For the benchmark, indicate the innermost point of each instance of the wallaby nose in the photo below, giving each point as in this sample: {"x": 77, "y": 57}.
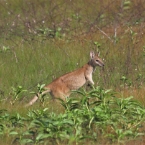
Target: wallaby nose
{"x": 102, "y": 65}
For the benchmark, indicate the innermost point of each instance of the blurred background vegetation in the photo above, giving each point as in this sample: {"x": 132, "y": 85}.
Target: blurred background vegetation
{"x": 41, "y": 40}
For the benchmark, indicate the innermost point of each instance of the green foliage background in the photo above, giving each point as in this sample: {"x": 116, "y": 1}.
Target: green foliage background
{"x": 41, "y": 40}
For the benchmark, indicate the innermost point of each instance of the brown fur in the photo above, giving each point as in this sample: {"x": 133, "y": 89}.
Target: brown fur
{"x": 62, "y": 86}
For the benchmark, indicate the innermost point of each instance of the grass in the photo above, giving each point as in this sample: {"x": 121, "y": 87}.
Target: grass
{"x": 42, "y": 40}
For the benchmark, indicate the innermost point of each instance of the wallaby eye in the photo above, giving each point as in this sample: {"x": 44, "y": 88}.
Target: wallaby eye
{"x": 97, "y": 60}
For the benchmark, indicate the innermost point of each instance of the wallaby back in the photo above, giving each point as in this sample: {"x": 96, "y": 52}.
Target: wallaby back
{"x": 62, "y": 86}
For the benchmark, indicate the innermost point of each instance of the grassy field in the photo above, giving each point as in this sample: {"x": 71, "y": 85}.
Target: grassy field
{"x": 42, "y": 40}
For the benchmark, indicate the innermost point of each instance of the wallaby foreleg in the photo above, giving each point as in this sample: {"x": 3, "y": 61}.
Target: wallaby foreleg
{"x": 90, "y": 80}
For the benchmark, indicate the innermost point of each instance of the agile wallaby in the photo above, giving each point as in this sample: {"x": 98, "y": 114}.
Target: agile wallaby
{"x": 62, "y": 86}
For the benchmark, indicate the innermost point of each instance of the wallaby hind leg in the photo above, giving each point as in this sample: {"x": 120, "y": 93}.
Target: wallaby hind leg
{"x": 59, "y": 95}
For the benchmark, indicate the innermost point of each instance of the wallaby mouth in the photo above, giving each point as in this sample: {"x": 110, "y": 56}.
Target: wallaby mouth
{"x": 101, "y": 64}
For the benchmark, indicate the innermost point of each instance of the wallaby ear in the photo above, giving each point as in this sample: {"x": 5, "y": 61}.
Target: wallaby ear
{"x": 92, "y": 54}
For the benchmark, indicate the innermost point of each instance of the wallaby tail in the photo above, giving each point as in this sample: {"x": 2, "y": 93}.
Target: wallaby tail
{"x": 35, "y": 98}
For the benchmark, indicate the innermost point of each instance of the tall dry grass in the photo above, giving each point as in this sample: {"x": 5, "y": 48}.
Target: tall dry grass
{"x": 42, "y": 40}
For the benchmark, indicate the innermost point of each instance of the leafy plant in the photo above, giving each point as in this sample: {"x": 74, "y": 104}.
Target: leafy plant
{"x": 16, "y": 94}
{"x": 4, "y": 49}
{"x": 40, "y": 89}
{"x": 95, "y": 113}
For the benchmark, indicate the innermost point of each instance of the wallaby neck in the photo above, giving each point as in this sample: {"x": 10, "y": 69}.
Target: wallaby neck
{"x": 91, "y": 64}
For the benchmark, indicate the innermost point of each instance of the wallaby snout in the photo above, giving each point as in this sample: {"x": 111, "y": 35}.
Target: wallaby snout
{"x": 100, "y": 63}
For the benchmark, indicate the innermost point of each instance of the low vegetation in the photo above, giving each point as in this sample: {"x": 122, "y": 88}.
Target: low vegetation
{"x": 96, "y": 117}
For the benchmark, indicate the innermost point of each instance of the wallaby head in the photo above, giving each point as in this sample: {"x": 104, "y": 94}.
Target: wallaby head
{"x": 95, "y": 60}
